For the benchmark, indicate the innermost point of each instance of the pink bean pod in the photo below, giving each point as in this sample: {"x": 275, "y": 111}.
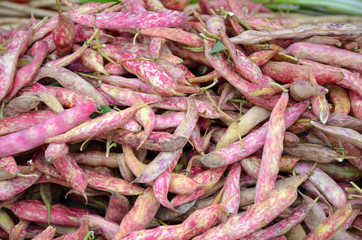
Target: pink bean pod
{"x": 325, "y": 54}
{"x": 177, "y": 72}
{"x": 174, "y": 34}
{"x": 96, "y": 126}
{"x": 248, "y": 121}
{"x": 91, "y": 59}
{"x": 99, "y": 225}
{"x": 196, "y": 223}
{"x": 344, "y": 172}
{"x": 8, "y": 168}
{"x": 180, "y": 184}
{"x": 207, "y": 178}
{"x": 24, "y": 103}
{"x": 205, "y": 109}
{"x": 339, "y": 97}
{"x": 70, "y": 80}
{"x": 111, "y": 184}
{"x": 131, "y": 83}
{"x": 55, "y": 151}
{"x": 182, "y": 53}
{"x": 246, "y": 68}
{"x": 95, "y": 158}
{"x": 83, "y": 33}
{"x": 10, "y": 188}
{"x": 346, "y": 134}
{"x": 157, "y": 141}
{"x": 232, "y": 188}
{"x": 68, "y": 59}
{"x": 219, "y": 62}
{"x": 251, "y": 165}
{"x": 155, "y": 5}
{"x": 24, "y": 75}
{"x": 36, "y": 135}
{"x": 15, "y": 47}
{"x": 261, "y": 57}
{"x": 153, "y": 74}
{"x": 141, "y": 214}
{"x": 247, "y": 195}
{"x": 283, "y": 226}
{"x": 164, "y": 159}
{"x": 118, "y": 207}
{"x": 273, "y": 149}
{"x": 259, "y": 215}
{"x": 114, "y": 69}
{"x": 134, "y": 6}
{"x": 196, "y": 139}
{"x": 330, "y": 225}
{"x": 252, "y": 142}
{"x": 80, "y": 233}
{"x": 324, "y": 183}
{"x": 350, "y": 79}
{"x": 144, "y": 115}
{"x": 63, "y": 33}
{"x": 47, "y": 234}
{"x": 72, "y": 173}
{"x": 156, "y": 45}
{"x": 169, "y": 120}
{"x": 301, "y": 90}
{"x": 289, "y": 72}
{"x": 356, "y": 104}
{"x": 343, "y": 120}
{"x": 87, "y": 8}
{"x": 129, "y": 20}
{"x": 69, "y": 98}
{"x": 23, "y": 121}
{"x": 313, "y": 152}
{"x": 175, "y": 5}
{"x": 303, "y": 31}
{"x": 36, "y": 211}
{"x": 46, "y": 96}
{"x": 161, "y": 186}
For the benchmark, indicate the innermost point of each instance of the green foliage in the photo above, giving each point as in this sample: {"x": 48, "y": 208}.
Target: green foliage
{"x": 218, "y": 47}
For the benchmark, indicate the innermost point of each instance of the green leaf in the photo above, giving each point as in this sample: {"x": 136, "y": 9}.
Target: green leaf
{"x": 229, "y": 60}
{"x": 104, "y": 109}
{"x": 218, "y": 47}
{"x": 89, "y": 236}
{"x": 55, "y": 84}
{"x": 45, "y": 193}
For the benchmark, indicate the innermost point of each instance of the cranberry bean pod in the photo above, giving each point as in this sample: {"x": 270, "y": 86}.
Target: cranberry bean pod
{"x": 129, "y": 20}
{"x": 36, "y": 135}
{"x": 330, "y": 225}
{"x": 35, "y": 211}
{"x": 94, "y": 127}
{"x": 141, "y": 214}
{"x": 24, "y": 75}
{"x": 252, "y": 142}
{"x": 347, "y": 134}
{"x": 163, "y": 160}
{"x": 324, "y": 183}
{"x": 15, "y": 48}
{"x": 47, "y": 234}
{"x": 283, "y": 226}
{"x": 259, "y": 215}
{"x": 270, "y": 161}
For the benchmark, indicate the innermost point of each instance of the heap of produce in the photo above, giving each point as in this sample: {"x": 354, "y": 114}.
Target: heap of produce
{"x": 151, "y": 119}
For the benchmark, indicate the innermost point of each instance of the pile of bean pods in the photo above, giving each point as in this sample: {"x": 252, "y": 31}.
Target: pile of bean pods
{"x": 145, "y": 120}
